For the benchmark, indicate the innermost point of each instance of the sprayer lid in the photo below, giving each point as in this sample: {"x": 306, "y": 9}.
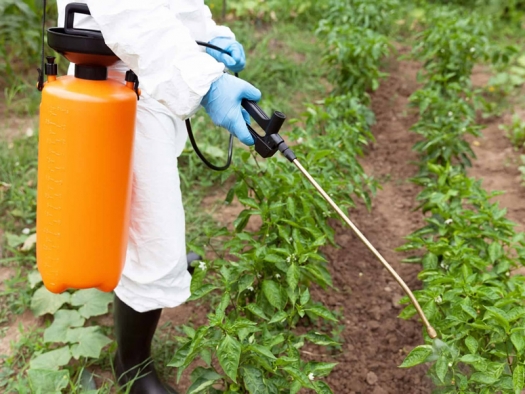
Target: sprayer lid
{"x": 80, "y": 46}
{"x": 81, "y": 49}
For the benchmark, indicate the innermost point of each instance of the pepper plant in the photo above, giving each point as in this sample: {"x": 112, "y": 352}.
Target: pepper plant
{"x": 467, "y": 248}
{"x": 469, "y": 251}
{"x": 265, "y": 275}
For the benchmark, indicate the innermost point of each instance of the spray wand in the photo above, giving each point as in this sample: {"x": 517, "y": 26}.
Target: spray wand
{"x": 267, "y": 145}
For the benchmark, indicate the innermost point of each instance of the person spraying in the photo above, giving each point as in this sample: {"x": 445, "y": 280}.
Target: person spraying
{"x": 156, "y": 39}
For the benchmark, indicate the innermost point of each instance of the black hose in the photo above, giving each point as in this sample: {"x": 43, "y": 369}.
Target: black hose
{"x": 201, "y": 156}
{"x": 192, "y": 137}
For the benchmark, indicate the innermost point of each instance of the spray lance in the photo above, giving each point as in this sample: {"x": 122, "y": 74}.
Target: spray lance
{"x": 268, "y": 145}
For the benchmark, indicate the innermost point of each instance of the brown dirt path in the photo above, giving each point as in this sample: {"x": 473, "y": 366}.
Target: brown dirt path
{"x": 376, "y": 341}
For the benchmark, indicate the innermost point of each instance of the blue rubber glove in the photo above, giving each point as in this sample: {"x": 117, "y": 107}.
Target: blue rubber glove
{"x": 223, "y": 105}
{"x": 235, "y": 59}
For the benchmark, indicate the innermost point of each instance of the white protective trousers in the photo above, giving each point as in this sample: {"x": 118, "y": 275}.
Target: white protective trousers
{"x": 156, "y": 39}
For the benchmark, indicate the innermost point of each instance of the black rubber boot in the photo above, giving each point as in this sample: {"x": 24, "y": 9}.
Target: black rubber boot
{"x": 133, "y": 364}
{"x": 191, "y": 257}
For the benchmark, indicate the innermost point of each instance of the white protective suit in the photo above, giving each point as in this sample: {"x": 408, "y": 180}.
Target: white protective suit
{"x": 156, "y": 39}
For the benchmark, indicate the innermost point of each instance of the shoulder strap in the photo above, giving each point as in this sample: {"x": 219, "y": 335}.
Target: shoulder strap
{"x": 41, "y": 69}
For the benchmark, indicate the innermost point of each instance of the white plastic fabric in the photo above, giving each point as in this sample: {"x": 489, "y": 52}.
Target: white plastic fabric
{"x": 156, "y": 39}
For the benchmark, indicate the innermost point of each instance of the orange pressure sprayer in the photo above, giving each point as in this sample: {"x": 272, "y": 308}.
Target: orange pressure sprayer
{"x": 87, "y": 124}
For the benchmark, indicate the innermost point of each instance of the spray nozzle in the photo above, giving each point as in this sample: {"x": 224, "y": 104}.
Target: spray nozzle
{"x": 271, "y": 142}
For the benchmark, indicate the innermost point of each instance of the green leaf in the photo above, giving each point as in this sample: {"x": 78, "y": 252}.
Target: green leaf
{"x": 498, "y": 315}
{"x": 93, "y": 302}
{"x": 262, "y": 351}
{"x": 295, "y": 387}
{"x": 201, "y": 292}
{"x": 221, "y": 308}
{"x": 62, "y": 321}
{"x": 292, "y": 276}
{"x": 274, "y": 341}
{"x": 14, "y": 240}
{"x": 180, "y": 355}
{"x": 246, "y": 281}
{"x": 272, "y": 292}
{"x": 469, "y": 310}
{"x": 87, "y": 341}
{"x": 322, "y": 388}
{"x": 45, "y": 381}
{"x": 484, "y": 378}
{"x": 518, "y": 379}
{"x": 189, "y": 331}
{"x": 441, "y": 368}
{"x": 52, "y": 360}
{"x": 242, "y": 220}
{"x": 196, "y": 345}
{"x": 278, "y": 317}
{"x": 253, "y": 380}
{"x": 518, "y": 341}
{"x": 200, "y": 372}
{"x": 495, "y": 251}
{"x": 290, "y": 205}
{"x": 305, "y": 297}
{"x": 229, "y": 354}
{"x": 206, "y": 356}
{"x": 248, "y": 202}
{"x": 197, "y": 279}
{"x": 472, "y": 344}
{"x": 322, "y": 312}
{"x": 44, "y": 301}
{"x": 417, "y": 356}
{"x": 253, "y": 308}
{"x": 202, "y": 379}
{"x": 321, "y": 274}
{"x": 299, "y": 376}
{"x": 320, "y": 339}
{"x": 34, "y": 278}
{"x": 273, "y": 258}
{"x": 319, "y": 369}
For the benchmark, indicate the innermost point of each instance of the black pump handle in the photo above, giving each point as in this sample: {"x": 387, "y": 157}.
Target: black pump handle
{"x": 269, "y": 125}
{"x": 256, "y": 113}
{"x": 78, "y": 8}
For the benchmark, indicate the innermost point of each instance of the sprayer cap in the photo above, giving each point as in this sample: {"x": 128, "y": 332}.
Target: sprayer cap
{"x": 51, "y": 68}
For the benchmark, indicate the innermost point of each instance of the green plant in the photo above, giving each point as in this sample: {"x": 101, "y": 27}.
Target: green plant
{"x": 522, "y": 169}
{"x": 369, "y": 14}
{"x": 451, "y": 47}
{"x": 469, "y": 250}
{"x": 516, "y": 132}
{"x": 355, "y": 53}
{"x": 444, "y": 123}
{"x": 263, "y": 275}
{"x": 18, "y": 183}
{"x": 355, "y": 44}
{"x": 269, "y": 10}
{"x": 78, "y": 340}
{"x": 20, "y": 35}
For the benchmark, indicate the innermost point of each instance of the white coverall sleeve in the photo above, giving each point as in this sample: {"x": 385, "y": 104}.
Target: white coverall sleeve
{"x": 151, "y": 39}
{"x": 197, "y": 17}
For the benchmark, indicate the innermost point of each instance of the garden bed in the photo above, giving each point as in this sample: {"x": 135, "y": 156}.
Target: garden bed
{"x": 375, "y": 340}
